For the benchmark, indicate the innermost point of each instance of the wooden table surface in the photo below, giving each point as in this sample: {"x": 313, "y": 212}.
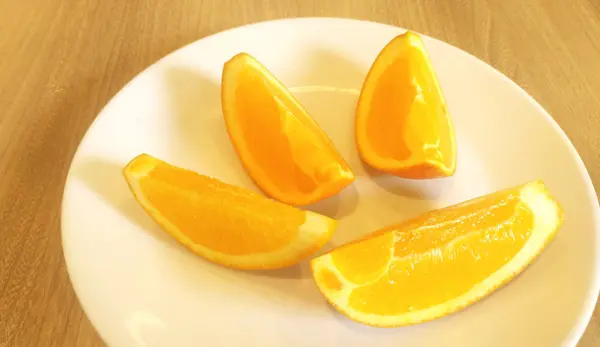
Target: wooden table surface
{"x": 62, "y": 60}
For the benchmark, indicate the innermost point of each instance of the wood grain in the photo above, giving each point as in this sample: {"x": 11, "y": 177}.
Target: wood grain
{"x": 61, "y": 61}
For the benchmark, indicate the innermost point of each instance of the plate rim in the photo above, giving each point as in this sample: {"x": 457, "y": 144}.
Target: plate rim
{"x": 579, "y": 326}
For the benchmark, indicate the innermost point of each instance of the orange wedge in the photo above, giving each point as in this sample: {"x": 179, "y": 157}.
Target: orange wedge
{"x": 402, "y": 122}
{"x": 282, "y": 148}
{"x": 225, "y": 224}
{"x": 440, "y": 262}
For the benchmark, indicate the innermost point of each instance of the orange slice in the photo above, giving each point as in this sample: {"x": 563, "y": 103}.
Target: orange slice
{"x": 225, "y": 224}
{"x": 402, "y": 122}
{"x": 282, "y": 148}
{"x": 440, "y": 262}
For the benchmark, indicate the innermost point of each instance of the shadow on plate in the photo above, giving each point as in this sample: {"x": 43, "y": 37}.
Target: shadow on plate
{"x": 431, "y": 189}
{"x": 360, "y": 328}
{"x": 291, "y": 287}
{"x": 194, "y": 101}
{"x": 338, "y": 206}
{"x": 106, "y": 179}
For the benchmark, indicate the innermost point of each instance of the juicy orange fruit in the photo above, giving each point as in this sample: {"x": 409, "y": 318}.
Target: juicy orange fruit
{"x": 225, "y": 224}
{"x": 402, "y": 122}
{"x": 440, "y": 262}
{"x": 282, "y": 148}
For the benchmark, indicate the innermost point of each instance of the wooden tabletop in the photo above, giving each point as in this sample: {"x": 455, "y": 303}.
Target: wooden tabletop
{"x": 62, "y": 60}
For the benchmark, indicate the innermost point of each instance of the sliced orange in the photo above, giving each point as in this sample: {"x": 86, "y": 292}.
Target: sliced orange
{"x": 440, "y": 262}
{"x": 402, "y": 122}
{"x": 282, "y": 148}
{"x": 225, "y": 224}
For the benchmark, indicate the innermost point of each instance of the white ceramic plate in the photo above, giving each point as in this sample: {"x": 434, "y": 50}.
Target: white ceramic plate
{"x": 140, "y": 288}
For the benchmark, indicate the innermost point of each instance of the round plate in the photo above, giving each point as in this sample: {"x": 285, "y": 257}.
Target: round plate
{"x": 141, "y": 288}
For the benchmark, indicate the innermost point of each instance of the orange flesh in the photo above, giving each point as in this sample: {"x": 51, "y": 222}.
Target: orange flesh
{"x": 393, "y": 95}
{"x": 282, "y": 148}
{"x": 366, "y": 263}
{"x": 330, "y": 280}
{"x": 437, "y": 257}
{"x": 220, "y": 216}
{"x": 403, "y": 126}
